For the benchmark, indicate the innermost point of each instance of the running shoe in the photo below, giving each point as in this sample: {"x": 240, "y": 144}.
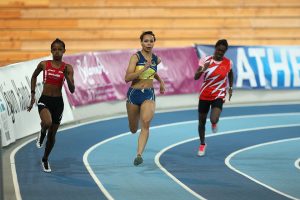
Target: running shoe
{"x": 138, "y": 160}
{"x": 214, "y": 128}
{"x": 40, "y": 139}
{"x": 202, "y": 148}
{"x": 46, "y": 166}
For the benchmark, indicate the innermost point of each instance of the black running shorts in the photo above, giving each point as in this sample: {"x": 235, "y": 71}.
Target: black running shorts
{"x": 204, "y": 105}
{"x": 55, "y": 105}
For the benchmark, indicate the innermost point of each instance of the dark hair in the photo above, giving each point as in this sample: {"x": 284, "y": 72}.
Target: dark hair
{"x": 147, "y": 33}
{"x": 222, "y": 42}
{"x": 58, "y": 41}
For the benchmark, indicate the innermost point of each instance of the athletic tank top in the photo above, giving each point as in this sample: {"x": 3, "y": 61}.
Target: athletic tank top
{"x": 215, "y": 78}
{"x": 151, "y": 71}
{"x": 54, "y": 76}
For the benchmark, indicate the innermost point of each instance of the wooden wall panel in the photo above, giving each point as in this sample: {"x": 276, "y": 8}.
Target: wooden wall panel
{"x": 24, "y": 3}
{"x": 27, "y": 27}
{"x": 143, "y": 24}
{"x": 162, "y": 13}
{"x": 171, "y": 3}
{"x": 128, "y": 34}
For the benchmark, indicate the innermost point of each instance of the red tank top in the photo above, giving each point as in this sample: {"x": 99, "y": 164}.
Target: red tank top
{"x": 54, "y": 76}
{"x": 215, "y": 79}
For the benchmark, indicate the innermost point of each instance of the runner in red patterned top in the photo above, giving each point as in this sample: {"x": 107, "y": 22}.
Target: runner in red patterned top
{"x": 50, "y": 104}
{"x": 217, "y": 71}
{"x": 215, "y": 78}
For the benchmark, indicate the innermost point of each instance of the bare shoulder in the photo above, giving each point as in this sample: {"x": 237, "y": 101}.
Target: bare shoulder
{"x": 42, "y": 64}
{"x": 133, "y": 60}
{"x": 134, "y": 57}
{"x": 69, "y": 67}
{"x": 158, "y": 60}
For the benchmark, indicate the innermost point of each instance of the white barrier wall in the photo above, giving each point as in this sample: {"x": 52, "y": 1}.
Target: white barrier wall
{"x": 15, "y": 94}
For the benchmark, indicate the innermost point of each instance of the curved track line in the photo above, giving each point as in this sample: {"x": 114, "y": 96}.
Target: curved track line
{"x": 170, "y": 175}
{"x": 228, "y": 158}
{"x": 186, "y": 122}
{"x": 12, "y": 155}
{"x": 88, "y": 167}
{"x": 157, "y": 157}
{"x": 297, "y": 163}
{"x": 13, "y": 169}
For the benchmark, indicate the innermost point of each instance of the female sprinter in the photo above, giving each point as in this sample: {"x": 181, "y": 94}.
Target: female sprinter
{"x": 50, "y": 104}
{"x": 141, "y": 71}
{"x": 217, "y": 70}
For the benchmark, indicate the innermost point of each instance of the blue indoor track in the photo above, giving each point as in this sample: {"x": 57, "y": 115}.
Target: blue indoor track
{"x": 254, "y": 155}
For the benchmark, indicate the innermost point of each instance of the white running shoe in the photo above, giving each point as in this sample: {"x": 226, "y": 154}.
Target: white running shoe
{"x": 46, "y": 166}
{"x": 214, "y": 128}
{"x": 40, "y": 139}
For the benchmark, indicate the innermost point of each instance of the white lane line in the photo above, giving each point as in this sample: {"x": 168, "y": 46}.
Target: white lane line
{"x": 157, "y": 157}
{"x": 13, "y": 153}
{"x": 228, "y": 158}
{"x": 101, "y": 186}
{"x": 89, "y": 168}
{"x": 14, "y": 171}
{"x": 297, "y": 163}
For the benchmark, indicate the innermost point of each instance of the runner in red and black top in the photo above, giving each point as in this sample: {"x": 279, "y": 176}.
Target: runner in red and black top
{"x": 50, "y": 104}
{"x": 217, "y": 71}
